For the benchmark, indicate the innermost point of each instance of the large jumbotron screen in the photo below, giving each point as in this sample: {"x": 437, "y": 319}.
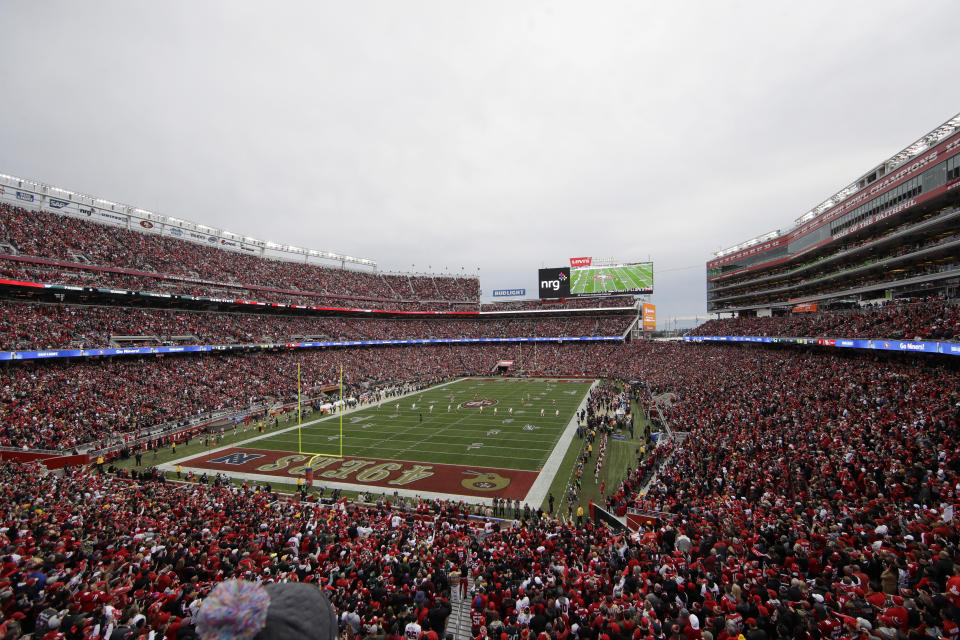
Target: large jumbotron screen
{"x": 596, "y": 280}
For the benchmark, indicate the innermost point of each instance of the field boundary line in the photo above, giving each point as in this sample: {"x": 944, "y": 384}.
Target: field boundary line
{"x": 541, "y": 486}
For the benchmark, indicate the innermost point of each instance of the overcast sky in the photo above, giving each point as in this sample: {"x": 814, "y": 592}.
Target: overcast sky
{"x": 499, "y": 135}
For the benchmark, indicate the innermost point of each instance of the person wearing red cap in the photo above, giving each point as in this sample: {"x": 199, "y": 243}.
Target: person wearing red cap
{"x": 897, "y": 617}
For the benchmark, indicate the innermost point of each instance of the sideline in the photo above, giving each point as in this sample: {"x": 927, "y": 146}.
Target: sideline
{"x": 541, "y": 486}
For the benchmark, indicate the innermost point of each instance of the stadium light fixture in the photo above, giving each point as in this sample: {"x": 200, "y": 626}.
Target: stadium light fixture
{"x": 915, "y": 148}
{"x": 40, "y": 187}
{"x": 743, "y": 245}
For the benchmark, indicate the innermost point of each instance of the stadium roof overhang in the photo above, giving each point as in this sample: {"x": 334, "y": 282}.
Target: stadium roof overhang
{"x": 925, "y": 142}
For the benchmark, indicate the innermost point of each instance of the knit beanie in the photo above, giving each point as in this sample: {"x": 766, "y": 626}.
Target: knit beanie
{"x": 251, "y": 611}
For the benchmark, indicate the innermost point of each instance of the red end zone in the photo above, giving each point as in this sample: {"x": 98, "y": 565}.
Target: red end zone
{"x": 387, "y": 475}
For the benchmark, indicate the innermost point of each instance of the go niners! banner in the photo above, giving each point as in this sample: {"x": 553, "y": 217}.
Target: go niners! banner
{"x": 581, "y": 262}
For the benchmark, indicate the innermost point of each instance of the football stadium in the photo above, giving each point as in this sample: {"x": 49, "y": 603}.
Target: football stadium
{"x": 302, "y": 428}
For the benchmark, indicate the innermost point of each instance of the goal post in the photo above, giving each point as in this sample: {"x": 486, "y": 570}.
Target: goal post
{"x": 300, "y": 428}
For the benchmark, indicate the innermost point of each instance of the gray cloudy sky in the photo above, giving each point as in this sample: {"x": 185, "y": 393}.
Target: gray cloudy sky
{"x": 504, "y": 135}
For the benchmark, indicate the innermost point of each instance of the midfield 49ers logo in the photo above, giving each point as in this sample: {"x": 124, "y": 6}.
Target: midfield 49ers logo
{"x": 478, "y": 403}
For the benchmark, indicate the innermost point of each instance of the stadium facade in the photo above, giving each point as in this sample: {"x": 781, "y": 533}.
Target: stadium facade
{"x": 891, "y": 233}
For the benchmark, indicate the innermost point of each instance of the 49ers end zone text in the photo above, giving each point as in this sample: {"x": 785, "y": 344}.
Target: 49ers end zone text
{"x": 383, "y": 474}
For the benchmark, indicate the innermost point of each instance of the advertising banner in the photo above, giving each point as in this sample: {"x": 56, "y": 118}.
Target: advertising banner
{"x": 581, "y": 262}
{"x": 554, "y": 283}
{"x": 806, "y": 307}
{"x": 142, "y": 351}
{"x": 946, "y": 348}
{"x": 649, "y": 317}
{"x": 509, "y": 293}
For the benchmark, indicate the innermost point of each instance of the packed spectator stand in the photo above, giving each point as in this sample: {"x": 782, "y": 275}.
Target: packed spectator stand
{"x": 908, "y": 319}
{"x": 49, "y": 326}
{"x": 810, "y": 499}
{"x": 812, "y": 496}
{"x": 77, "y": 251}
{"x": 126, "y": 395}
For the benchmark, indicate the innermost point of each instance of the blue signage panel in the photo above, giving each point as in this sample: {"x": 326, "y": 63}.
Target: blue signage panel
{"x": 135, "y": 351}
{"x": 909, "y": 346}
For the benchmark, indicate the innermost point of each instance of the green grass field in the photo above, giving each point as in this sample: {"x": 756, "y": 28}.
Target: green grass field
{"x": 515, "y": 447}
{"x": 625, "y": 278}
{"x": 466, "y": 436}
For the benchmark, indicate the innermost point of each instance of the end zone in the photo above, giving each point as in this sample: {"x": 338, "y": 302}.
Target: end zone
{"x": 364, "y": 474}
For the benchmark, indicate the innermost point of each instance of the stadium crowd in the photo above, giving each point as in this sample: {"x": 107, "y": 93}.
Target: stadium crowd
{"x": 906, "y": 319}
{"x": 102, "y": 278}
{"x": 109, "y": 398}
{"x": 49, "y": 326}
{"x": 803, "y": 494}
{"x": 812, "y": 491}
{"x": 883, "y": 276}
{"x": 89, "y": 556}
{"x": 96, "y": 278}
{"x": 811, "y": 498}
{"x": 88, "y": 245}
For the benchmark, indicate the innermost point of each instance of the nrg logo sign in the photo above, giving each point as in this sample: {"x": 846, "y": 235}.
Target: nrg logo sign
{"x": 555, "y": 283}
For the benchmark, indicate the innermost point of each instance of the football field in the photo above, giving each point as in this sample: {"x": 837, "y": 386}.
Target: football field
{"x": 473, "y": 437}
{"x": 625, "y": 278}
